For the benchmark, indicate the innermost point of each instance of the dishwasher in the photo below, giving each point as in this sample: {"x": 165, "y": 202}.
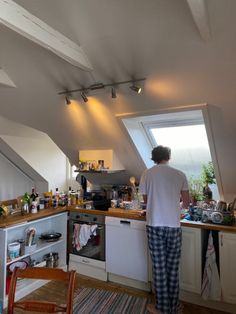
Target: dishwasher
{"x": 126, "y": 248}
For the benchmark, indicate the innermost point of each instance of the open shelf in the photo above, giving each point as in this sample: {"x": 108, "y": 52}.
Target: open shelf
{"x": 40, "y": 247}
{"x": 108, "y": 171}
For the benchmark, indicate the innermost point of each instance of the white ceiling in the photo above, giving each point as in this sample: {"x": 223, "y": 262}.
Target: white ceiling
{"x": 123, "y": 39}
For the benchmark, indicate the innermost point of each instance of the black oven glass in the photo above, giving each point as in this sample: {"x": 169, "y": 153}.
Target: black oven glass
{"x": 95, "y": 245}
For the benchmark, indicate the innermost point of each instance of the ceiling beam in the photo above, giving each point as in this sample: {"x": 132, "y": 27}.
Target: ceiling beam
{"x": 199, "y": 12}
{"x": 24, "y": 23}
{"x": 5, "y": 80}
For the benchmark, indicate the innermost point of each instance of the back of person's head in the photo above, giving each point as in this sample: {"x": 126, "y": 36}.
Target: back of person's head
{"x": 160, "y": 153}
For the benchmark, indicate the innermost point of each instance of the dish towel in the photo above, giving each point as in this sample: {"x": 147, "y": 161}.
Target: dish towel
{"x": 211, "y": 288}
{"x": 75, "y": 239}
{"x": 82, "y": 233}
{"x": 86, "y": 231}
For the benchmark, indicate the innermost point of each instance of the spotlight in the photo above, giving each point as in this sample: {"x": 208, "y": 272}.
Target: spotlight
{"x": 68, "y": 102}
{"x": 113, "y": 92}
{"x": 85, "y": 99}
{"x": 136, "y": 88}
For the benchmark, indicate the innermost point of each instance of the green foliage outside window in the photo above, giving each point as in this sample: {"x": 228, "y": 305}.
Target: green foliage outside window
{"x": 197, "y": 185}
{"x": 208, "y": 174}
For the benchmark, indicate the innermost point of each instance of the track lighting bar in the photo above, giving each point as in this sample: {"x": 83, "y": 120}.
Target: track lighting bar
{"x": 101, "y": 85}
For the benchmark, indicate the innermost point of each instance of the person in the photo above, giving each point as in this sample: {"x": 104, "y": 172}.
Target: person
{"x": 162, "y": 187}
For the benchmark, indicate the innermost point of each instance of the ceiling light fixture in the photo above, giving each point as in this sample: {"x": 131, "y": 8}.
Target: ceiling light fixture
{"x": 96, "y": 86}
{"x": 136, "y": 88}
{"x": 113, "y": 92}
{"x": 68, "y": 102}
{"x": 85, "y": 99}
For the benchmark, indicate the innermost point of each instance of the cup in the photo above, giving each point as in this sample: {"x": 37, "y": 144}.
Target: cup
{"x": 113, "y": 203}
{"x": 13, "y": 250}
{"x": 34, "y": 207}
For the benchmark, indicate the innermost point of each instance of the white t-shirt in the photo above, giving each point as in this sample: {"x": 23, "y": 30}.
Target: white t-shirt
{"x": 163, "y": 184}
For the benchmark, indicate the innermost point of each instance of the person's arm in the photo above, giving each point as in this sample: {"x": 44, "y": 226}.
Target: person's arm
{"x": 185, "y": 198}
{"x": 143, "y": 212}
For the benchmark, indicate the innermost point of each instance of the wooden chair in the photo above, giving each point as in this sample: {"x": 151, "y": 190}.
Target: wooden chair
{"x": 42, "y": 306}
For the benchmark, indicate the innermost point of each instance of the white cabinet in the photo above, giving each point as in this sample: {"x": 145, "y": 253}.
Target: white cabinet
{"x": 57, "y": 223}
{"x": 191, "y": 260}
{"x": 227, "y": 242}
{"x": 126, "y": 248}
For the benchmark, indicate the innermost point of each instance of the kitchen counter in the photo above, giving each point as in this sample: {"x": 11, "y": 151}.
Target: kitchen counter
{"x": 135, "y": 214}
{"x": 201, "y": 225}
{"x": 114, "y": 212}
{"x": 19, "y": 219}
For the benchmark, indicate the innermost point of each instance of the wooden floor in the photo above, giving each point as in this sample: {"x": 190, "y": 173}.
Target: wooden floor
{"x": 55, "y": 292}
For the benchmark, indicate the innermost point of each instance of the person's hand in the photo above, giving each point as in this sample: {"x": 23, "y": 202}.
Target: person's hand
{"x": 142, "y": 213}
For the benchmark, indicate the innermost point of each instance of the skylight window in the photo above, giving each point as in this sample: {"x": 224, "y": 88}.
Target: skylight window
{"x": 189, "y": 146}
{"x": 185, "y": 132}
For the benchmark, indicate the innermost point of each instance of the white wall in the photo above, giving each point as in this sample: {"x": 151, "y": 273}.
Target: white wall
{"x": 44, "y": 156}
{"x": 13, "y": 182}
{"x": 39, "y": 151}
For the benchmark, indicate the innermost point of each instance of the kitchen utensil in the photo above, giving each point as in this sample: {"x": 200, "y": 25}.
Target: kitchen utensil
{"x": 132, "y": 180}
{"x": 231, "y": 205}
{"x": 50, "y": 236}
{"x": 52, "y": 259}
{"x": 221, "y": 206}
{"x": 30, "y": 236}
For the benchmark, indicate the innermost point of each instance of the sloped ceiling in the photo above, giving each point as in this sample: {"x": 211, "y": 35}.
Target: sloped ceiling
{"x": 156, "y": 39}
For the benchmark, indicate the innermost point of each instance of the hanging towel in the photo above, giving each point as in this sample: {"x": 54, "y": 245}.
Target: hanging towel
{"x": 75, "y": 239}
{"x": 86, "y": 231}
{"x": 211, "y": 288}
{"x": 82, "y": 233}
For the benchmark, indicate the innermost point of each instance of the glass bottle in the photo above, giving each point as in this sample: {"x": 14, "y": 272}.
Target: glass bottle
{"x": 33, "y": 195}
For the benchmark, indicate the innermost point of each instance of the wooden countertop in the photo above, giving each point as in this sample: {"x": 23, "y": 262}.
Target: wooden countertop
{"x": 134, "y": 214}
{"x": 209, "y": 226}
{"x": 19, "y": 219}
{"x": 114, "y": 212}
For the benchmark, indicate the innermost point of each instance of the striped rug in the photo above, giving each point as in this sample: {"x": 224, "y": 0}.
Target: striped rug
{"x": 94, "y": 301}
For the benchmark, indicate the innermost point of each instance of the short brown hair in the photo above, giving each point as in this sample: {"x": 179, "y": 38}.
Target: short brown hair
{"x": 160, "y": 153}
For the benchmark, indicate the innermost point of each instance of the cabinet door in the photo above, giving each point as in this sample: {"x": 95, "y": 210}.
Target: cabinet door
{"x": 227, "y": 243}
{"x": 191, "y": 260}
{"x": 126, "y": 248}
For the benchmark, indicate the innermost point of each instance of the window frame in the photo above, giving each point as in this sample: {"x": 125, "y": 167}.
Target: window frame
{"x": 136, "y": 125}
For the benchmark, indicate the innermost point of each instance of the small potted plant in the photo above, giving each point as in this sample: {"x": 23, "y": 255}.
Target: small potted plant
{"x": 208, "y": 177}
{"x": 195, "y": 190}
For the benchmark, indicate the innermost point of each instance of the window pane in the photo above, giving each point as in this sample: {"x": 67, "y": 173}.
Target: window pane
{"x": 189, "y": 148}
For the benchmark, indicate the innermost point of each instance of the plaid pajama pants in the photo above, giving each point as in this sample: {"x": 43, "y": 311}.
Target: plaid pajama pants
{"x": 165, "y": 249}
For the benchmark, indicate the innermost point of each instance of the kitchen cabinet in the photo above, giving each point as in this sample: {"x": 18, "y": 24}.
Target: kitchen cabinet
{"x": 191, "y": 260}
{"x": 126, "y": 248}
{"x": 57, "y": 223}
{"x": 227, "y": 243}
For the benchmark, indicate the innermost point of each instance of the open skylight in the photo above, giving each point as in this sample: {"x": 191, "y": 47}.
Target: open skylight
{"x": 185, "y": 132}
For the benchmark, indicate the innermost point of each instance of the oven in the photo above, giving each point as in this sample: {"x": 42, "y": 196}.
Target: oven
{"x": 87, "y": 235}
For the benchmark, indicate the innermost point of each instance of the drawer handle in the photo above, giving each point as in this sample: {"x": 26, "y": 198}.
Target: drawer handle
{"x": 125, "y": 222}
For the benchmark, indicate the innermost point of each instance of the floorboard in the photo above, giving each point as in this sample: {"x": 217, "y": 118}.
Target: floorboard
{"x": 56, "y": 292}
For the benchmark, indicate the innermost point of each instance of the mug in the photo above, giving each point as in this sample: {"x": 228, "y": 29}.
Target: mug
{"x": 113, "y": 203}
{"x": 34, "y": 207}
